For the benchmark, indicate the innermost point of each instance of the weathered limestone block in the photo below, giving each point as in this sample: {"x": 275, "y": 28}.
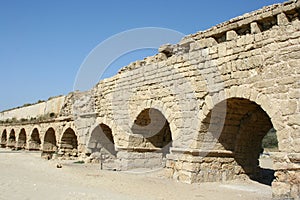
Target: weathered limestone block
{"x": 231, "y": 35}
{"x": 133, "y": 160}
{"x": 296, "y": 144}
{"x": 282, "y": 19}
{"x": 203, "y": 43}
{"x": 254, "y": 28}
{"x": 287, "y": 173}
{"x": 222, "y": 50}
{"x": 281, "y": 190}
{"x": 166, "y": 49}
{"x": 288, "y": 107}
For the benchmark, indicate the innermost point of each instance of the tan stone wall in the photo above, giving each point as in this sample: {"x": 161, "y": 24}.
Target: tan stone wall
{"x": 40, "y": 109}
{"x": 220, "y": 91}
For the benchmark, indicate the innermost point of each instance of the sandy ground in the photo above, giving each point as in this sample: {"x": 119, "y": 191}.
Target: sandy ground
{"x": 24, "y": 175}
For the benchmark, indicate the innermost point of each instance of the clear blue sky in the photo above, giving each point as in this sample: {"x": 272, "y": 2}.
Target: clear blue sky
{"x": 43, "y": 43}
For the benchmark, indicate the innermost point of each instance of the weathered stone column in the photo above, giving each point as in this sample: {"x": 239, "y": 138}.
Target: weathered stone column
{"x": 83, "y": 124}
{"x": 191, "y": 165}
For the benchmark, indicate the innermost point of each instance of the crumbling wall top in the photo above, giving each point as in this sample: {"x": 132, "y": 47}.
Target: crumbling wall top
{"x": 263, "y": 13}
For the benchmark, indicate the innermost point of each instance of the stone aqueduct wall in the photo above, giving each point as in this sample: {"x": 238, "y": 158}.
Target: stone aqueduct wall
{"x": 200, "y": 108}
{"x": 53, "y": 105}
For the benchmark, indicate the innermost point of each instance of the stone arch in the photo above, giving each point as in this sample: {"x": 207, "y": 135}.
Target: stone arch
{"x": 3, "y": 138}
{"x": 270, "y": 106}
{"x": 49, "y": 143}
{"x": 239, "y": 138}
{"x": 22, "y": 139}
{"x": 166, "y": 112}
{"x": 68, "y": 142}
{"x": 35, "y": 141}
{"x": 11, "y": 139}
{"x": 102, "y": 140}
{"x": 151, "y": 130}
{"x": 246, "y": 92}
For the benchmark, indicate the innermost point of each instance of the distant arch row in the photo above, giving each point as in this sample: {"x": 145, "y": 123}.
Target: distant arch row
{"x": 101, "y": 140}
{"x": 34, "y": 140}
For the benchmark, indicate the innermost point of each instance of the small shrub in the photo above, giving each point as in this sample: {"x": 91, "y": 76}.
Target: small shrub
{"x": 79, "y": 162}
{"x": 270, "y": 140}
{"x": 23, "y": 120}
{"x": 52, "y": 115}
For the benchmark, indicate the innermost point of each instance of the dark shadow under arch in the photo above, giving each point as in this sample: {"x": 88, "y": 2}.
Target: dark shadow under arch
{"x": 102, "y": 140}
{"x": 245, "y": 126}
{"x": 22, "y": 139}
{"x": 3, "y": 138}
{"x": 35, "y": 141}
{"x": 49, "y": 145}
{"x": 154, "y": 128}
{"x": 12, "y": 139}
{"x": 69, "y": 142}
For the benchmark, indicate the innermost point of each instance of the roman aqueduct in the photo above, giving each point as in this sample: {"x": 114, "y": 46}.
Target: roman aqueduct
{"x": 199, "y": 108}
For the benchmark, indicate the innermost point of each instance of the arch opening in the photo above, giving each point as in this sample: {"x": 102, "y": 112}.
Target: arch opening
{"x": 35, "y": 141}
{"x": 69, "y": 143}
{"x": 49, "y": 145}
{"x": 22, "y": 139}
{"x": 12, "y": 139}
{"x": 238, "y": 145}
{"x": 151, "y": 131}
{"x": 3, "y": 139}
{"x": 269, "y": 145}
{"x": 102, "y": 141}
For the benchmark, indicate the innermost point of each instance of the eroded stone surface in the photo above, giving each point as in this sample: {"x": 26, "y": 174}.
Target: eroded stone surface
{"x": 214, "y": 96}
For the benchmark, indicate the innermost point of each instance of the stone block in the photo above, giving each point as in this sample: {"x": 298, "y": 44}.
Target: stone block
{"x": 168, "y": 173}
{"x": 282, "y": 19}
{"x": 281, "y": 176}
{"x": 295, "y": 191}
{"x": 254, "y": 28}
{"x": 178, "y": 165}
{"x": 288, "y": 107}
{"x": 191, "y": 167}
{"x": 222, "y": 50}
{"x": 294, "y": 93}
{"x": 281, "y": 189}
{"x": 294, "y": 119}
{"x": 231, "y": 35}
{"x": 186, "y": 177}
{"x": 296, "y": 144}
